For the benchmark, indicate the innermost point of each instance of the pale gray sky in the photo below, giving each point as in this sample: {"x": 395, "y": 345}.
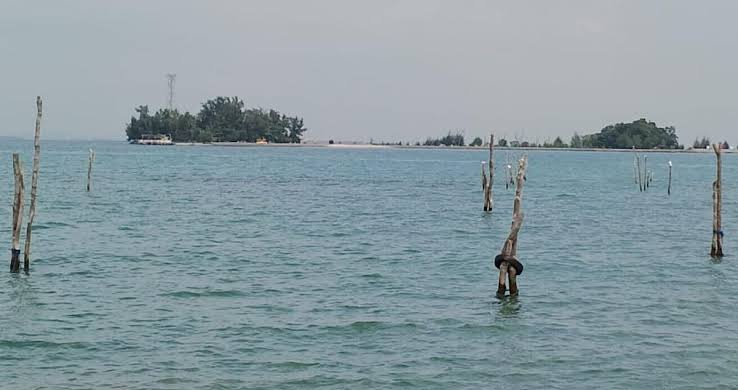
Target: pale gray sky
{"x": 388, "y": 69}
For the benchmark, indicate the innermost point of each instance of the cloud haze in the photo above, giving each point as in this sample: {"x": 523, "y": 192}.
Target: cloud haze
{"x": 388, "y": 70}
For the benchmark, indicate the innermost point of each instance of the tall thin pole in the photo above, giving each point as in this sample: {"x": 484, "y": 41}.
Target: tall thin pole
{"x": 17, "y": 213}
{"x": 34, "y": 185}
{"x": 717, "y": 199}
{"x": 91, "y": 159}
{"x": 668, "y": 191}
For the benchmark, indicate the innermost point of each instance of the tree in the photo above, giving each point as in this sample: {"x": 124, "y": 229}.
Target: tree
{"x": 641, "y": 133}
{"x": 576, "y": 141}
{"x": 701, "y": 144}
{"x": 725, "y": 145}
{"x": 477, "y": 142}
{"x": 558, "y": 143}
{"x": 220, "y": 119}
{"x": 502, "y": 142}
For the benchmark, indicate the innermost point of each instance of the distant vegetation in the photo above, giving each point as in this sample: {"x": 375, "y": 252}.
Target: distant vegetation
{"x": 448, "y": 140}
{"x": 223, "y": 119}
{"x": 641, "y": 133}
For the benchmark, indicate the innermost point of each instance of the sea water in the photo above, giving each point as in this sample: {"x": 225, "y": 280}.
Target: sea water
{"x": 206, "y": 267}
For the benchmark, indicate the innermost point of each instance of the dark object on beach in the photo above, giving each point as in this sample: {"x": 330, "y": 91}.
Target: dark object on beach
{"x": 330, "y": 142}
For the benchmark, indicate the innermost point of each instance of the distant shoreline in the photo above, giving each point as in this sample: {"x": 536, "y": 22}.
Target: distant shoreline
{"x": 423, "y": 147}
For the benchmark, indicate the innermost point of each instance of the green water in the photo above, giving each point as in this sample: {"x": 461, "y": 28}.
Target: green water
{"x": 324, "y": 268}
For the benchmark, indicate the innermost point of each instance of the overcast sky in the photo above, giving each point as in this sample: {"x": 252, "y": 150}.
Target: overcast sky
{"x": 389, "y": 70}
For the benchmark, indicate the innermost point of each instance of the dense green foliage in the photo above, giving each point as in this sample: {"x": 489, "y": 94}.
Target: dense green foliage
{"x": 449, "y": 140}
{"x": 223, "y": 119}
{"x": 477, "y": 142}
{"x": 641, "y": 133}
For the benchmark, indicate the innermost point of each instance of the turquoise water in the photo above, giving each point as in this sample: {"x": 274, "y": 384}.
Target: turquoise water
{"x": 323, "y": 268}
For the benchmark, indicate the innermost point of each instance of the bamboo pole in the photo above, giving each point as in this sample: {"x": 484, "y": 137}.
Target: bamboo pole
{"x": 17, "y": 213}
{"x": 668, "y": 191}
{"x": 507, "y": 261}
{"x": 488, "y": 201}
{"x": 34, "y": 185}
{"x": 716, "y": 249}
{"x": 89, "y": 170}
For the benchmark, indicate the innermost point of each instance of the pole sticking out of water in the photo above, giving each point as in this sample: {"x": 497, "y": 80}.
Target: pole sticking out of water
{"x": 635, "y": 169}
{"x": 34, "y": 185}
{"x": 645, "y": 173}
{"x": 506, "y": 261}
{"x": 638, "y": 165}
{"x": 488, "y": 201}
{"x": 668, "y": 191}
{"x": 91, "y": 159}
{"x": 716, "y": 251}
{"x": 17, "y": 213}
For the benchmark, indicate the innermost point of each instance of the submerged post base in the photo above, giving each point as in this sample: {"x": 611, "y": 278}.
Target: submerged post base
{"x": 15, "y": 260}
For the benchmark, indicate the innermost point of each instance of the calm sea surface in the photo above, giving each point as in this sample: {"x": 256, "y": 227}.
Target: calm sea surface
{"x": 325, "y": 268}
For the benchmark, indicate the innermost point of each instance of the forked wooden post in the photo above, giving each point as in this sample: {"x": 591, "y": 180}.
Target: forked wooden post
{"x": 507, "y": 261}
{"x": 488, "y": 201}
{"x": 34, "y": 185}
{"x": 717, "y": 201}
{"x": 89, "y": 170}
{"x": 668, "y": 191}
{"x": 17, "y": 213}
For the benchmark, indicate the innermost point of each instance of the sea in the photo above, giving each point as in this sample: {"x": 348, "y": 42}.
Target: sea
{"x": 211, "y": 267}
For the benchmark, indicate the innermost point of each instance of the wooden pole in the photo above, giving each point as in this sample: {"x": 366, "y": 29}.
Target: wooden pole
{"x": 645, "y": 173}
{"x": 717, "y": 199}
{"x": 638, "y": 163}
{"x": 668, "y": 191}
{"x": 34, "y": 185}
{"x": 484, "y": 175}
{"x": 89, "y": 170}
{"x": 507, "y": 260}
{"x": 488, "y": 201}
{"x": 635, "y": 169}
{"x": 17, "y": 213}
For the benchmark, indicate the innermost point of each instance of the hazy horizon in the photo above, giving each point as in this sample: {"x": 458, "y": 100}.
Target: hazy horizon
{"x": 385, "y": 70}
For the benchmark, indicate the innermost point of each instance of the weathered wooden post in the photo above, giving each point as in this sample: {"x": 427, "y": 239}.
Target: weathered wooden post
{"x": 717, "y": 201}
{"x": 507, "y": 262}
{"x": 635, "y": 169}
{"x": 488, "y": 201}
{"x": 645, "y": 173}
{"x": 34, "y": 185}
{"x": 89, "y": 170}
{"x": 17, "y": 213}
{"x": 640, "y": 182}
{"x": 668, "y": 191}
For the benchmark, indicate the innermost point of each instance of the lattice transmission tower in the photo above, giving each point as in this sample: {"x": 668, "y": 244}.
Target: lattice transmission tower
{"x": 171, "y": 79}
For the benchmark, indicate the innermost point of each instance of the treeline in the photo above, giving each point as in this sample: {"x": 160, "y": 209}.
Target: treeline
{"x": 705, "y": 143}
{"x": 223, "y": 119}
{"x": 641, "y": 133}
{"x": 456, "y": 139}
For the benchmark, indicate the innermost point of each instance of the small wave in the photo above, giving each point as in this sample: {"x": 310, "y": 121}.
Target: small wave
{"x": 51, "y": 225}
{"x": 205, "y": 294}
{"x": 41, "y": 344}
{"x": 293, "y": 365}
